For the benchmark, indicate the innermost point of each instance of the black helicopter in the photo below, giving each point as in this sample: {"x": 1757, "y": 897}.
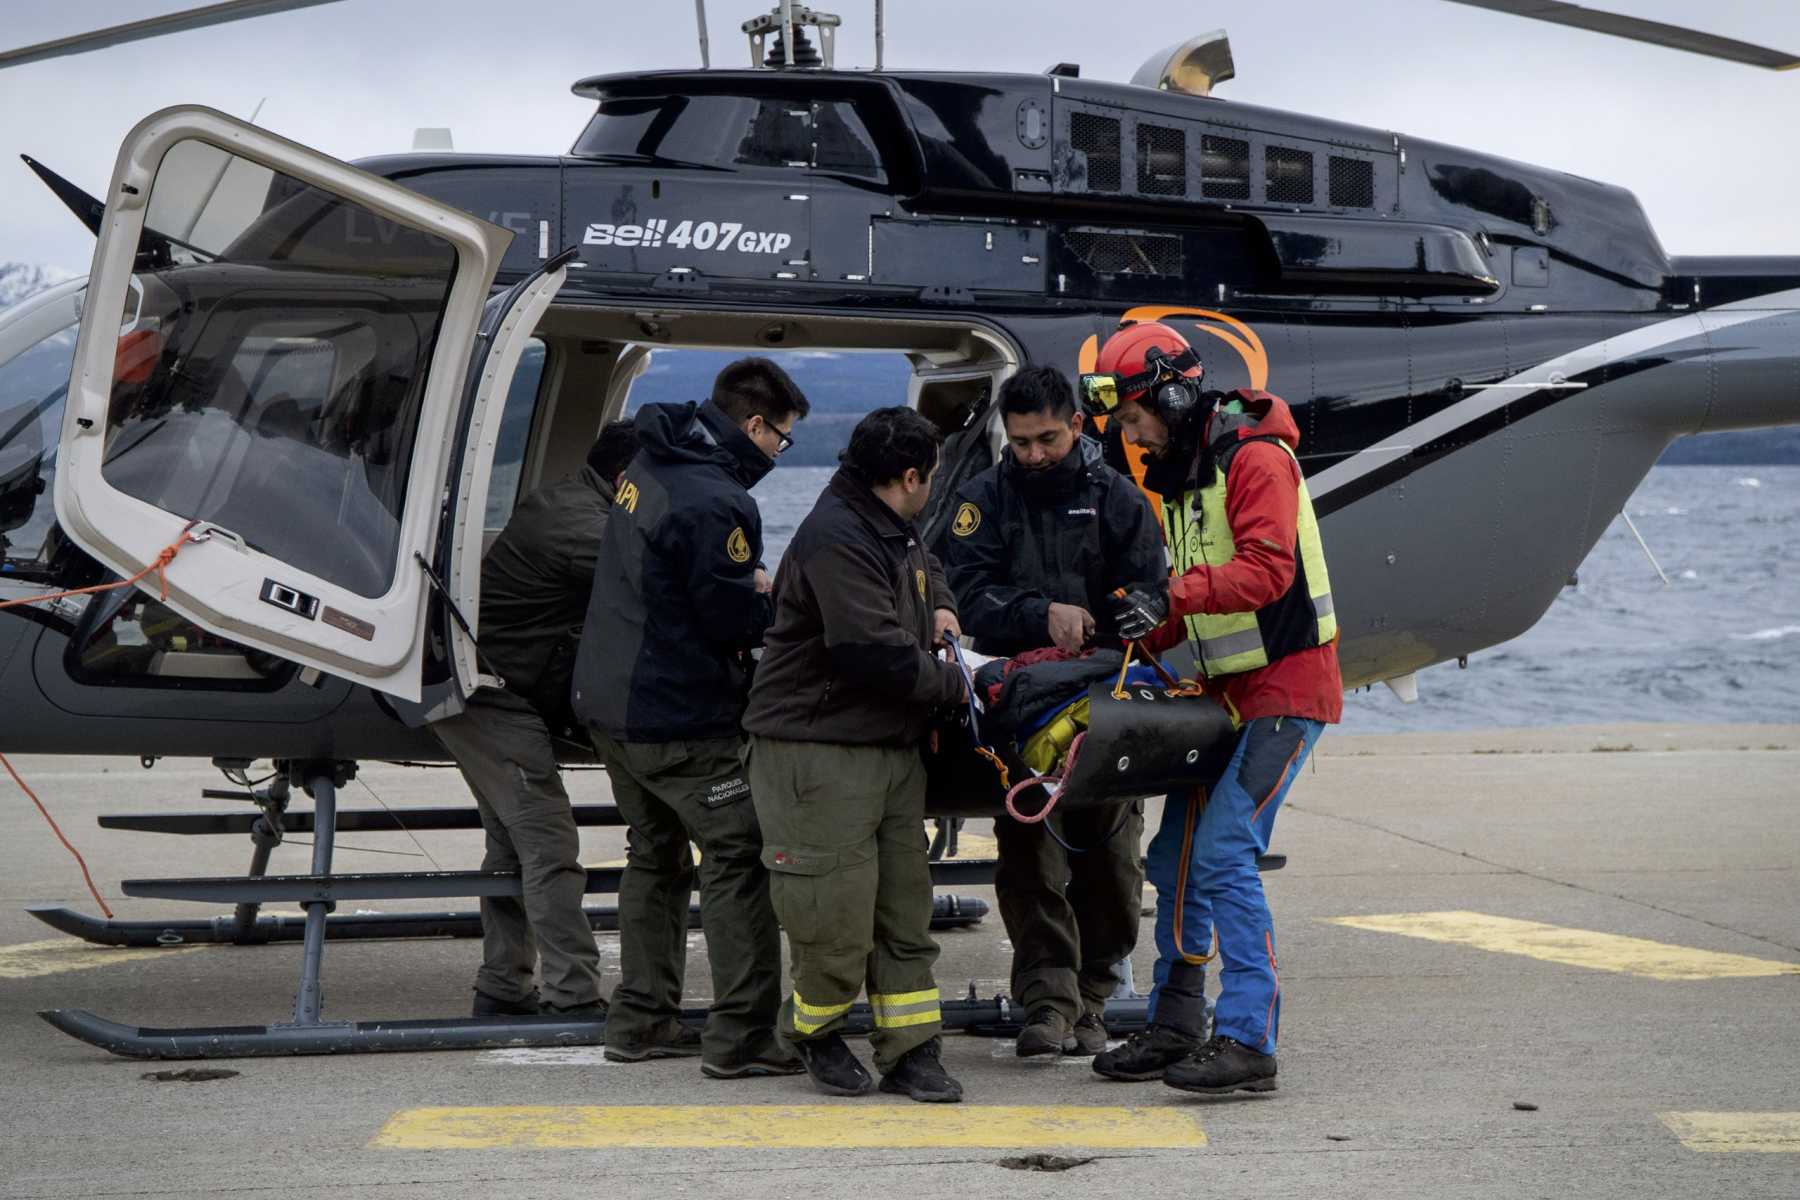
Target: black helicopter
{"x": 311, "y": 409}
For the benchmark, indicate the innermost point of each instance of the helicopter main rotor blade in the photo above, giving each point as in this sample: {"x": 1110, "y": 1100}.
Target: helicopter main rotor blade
{"x": 175, "y": 22}
{"x": 1675, "y": 37}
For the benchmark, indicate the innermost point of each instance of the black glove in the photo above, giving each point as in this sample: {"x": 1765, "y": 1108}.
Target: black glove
{"x": 1138, "y": 612}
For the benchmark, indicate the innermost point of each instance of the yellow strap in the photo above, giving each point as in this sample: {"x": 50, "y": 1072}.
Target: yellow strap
{"x": 1118, "y": 692}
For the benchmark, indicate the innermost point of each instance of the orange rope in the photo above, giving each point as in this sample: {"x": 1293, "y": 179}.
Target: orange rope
{"x": 56, "y": 829}
{"x": 159, "y": 565}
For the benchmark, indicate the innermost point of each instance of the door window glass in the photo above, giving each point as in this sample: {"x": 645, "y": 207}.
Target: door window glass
{"x": 33, "y": 388}
{"x": 272, "y": 381}
{"x": 515, "y": 436}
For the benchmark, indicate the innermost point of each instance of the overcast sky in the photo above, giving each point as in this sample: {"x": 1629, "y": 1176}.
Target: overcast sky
{"x": 1707, "y": 146}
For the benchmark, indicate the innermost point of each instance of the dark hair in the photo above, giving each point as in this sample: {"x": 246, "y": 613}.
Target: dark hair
{"x": 757, "y": 386}
{"x": 1036, "y": 390}
{"x": 888, "y": 441}
{"x": 613, "y": 450}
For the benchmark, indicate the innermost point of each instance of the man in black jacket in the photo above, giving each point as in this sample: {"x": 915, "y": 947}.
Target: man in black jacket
{"x": 1036, "y": 545}
{"x": 534, "y": 591}
{"x": 842, "y": 698}
{"x": 680, "y": 599}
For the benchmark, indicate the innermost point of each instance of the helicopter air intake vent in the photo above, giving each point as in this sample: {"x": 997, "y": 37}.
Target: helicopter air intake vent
{"x": 1161, "y": 160}
{"x": 1224, "y": 168}
{"x": 1352, "y": 182}
{"x": 1114, "y": 253}
{"x": 1097, "y": 138}
{"x": 1287, "y": 175}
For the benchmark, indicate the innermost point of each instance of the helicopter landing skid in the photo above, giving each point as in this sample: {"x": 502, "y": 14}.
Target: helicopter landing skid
{"x": 998, "y": 1017}
{"x": 947, "y": 912}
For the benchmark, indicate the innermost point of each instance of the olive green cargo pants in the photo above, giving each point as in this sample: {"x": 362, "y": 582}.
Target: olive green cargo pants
{"x": 504, "y": 750}
{"x": 844, "y": 840}
{"x": 671, "y": 793}
{"x": 1071, "y": 917}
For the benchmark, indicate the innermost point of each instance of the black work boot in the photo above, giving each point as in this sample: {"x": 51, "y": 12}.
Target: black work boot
{"x": 773, "y": 1057}
{"x": 1089, "y": 1036}
{"x": 592, "y": 1011}
{"x": 670, "y": 1039}
{"x": 491, "y": 1006}
{"x": 834, "y": 1067}
{"x": 1146, "y": 1054}
{"x": 1045, "y": 1032}
{"x": 1223, "y": 1065}
{"x": 920, "y": 1075}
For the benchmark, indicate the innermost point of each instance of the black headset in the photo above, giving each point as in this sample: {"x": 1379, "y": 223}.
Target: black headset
{"x": 1176, "y": 397}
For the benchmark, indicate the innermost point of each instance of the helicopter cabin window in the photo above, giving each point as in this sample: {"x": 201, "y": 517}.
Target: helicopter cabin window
{"x": 129, "y": 638}
{"x": 34, "y": 385}
{"x": 516, "y": 416}
{"x": 272, "y": 378}
{"x": 749, "y": 131}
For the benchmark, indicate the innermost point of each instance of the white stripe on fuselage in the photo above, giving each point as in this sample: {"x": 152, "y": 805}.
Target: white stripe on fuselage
{"x": 1480, "y": 403}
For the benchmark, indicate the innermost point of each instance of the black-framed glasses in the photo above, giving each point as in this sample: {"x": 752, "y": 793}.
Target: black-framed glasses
{"x": 786, "y": 441}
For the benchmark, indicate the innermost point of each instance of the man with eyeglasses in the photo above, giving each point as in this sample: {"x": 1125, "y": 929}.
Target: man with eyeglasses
{"x": 680, "y": 600}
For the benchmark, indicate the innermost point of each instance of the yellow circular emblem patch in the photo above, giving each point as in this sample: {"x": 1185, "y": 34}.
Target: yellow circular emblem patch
{"x": 968, "y": 520}
{"x": 738, "y": 546}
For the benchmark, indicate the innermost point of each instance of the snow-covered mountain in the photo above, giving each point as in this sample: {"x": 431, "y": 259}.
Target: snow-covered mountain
{"x": 19, "y": 280}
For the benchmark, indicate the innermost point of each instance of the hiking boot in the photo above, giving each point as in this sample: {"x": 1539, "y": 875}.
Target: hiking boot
{"x": 773, "y": 1057}
{"x": 592, "y": 1011}
{"x": 671, "y": 1039}
{"x": 1089, "y": 1036}
{"x": 1223, "y": 1065}
{"x": 833, "y": 1067}
{"x": 491, "y": 1006}
{"x": 920, "y": 1075}
{"x": 1046, "y": 1032}
{"x": 1146, "y": 1054}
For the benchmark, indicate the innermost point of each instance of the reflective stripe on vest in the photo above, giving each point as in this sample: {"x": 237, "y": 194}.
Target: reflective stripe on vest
{"x": 1199, "y": 534}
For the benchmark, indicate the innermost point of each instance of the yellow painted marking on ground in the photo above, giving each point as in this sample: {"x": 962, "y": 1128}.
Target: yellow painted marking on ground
{"x": 28, "y": 960}
{"x": 789, "y": 1127}
{"x": 1571, "y": 947}
{"x": 1748, "y": 1132}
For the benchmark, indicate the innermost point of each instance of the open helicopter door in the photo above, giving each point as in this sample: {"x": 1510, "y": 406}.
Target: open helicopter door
{"x": 283, "y": 397}
{"x": 506, "y": 327}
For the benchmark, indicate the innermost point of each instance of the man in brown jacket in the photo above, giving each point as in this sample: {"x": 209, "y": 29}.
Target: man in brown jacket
{"x": 839, "y": 708}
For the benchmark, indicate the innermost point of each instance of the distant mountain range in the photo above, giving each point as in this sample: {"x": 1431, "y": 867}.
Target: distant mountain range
{"x": 19, "y": 280}
{"x": 841, "y": 387}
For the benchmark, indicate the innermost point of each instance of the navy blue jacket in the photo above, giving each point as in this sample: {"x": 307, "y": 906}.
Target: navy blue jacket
{"x": 674, "y": 612}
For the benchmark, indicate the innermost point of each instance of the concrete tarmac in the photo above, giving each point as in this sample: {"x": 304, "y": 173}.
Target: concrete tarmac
{"x": 1602, "y": 923}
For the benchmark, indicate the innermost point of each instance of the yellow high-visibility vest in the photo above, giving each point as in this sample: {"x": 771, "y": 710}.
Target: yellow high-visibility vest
{"x": 1198, "y": 534}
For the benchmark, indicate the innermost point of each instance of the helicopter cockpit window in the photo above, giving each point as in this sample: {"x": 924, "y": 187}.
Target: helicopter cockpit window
{"x": 34, "y": 385}
{"x": 272, "y": 380}
{"x": 130, "y": 638}
{"x": 742, "y": 130}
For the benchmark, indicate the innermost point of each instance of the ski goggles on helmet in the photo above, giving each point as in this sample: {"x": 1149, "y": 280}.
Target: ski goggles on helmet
{"x": 1101, "y": 394}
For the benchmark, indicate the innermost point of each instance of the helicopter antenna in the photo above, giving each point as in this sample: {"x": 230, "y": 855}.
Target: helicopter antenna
{"x": 700, "y": 19}
{"x": 880, "y": 32}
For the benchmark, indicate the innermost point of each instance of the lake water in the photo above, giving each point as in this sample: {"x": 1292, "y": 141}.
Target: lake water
{"x": 1719, "y": 644}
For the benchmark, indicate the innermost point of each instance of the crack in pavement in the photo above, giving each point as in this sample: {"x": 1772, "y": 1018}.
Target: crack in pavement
{"x": 1508, "y": 868}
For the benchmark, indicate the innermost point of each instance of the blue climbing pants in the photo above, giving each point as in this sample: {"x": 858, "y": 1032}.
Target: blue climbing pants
{"x": 1203, "y": 863}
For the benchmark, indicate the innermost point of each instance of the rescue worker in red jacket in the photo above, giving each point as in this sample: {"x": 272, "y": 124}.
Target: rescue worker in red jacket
{"x": 1250, "y": 591}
